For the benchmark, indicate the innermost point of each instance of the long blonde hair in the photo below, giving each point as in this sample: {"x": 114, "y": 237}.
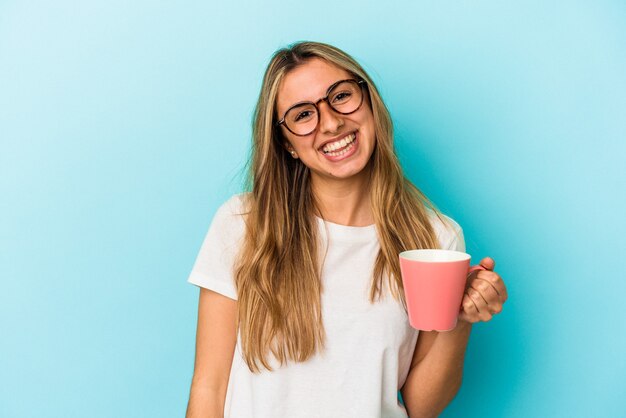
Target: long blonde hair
{"x": 278, "y": 275}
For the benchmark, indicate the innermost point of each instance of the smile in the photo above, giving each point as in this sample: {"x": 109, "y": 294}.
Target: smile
{"x": 339, "y": 147}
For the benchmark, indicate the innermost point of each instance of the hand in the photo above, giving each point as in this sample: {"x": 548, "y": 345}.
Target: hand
{"x": 485, "y": 294}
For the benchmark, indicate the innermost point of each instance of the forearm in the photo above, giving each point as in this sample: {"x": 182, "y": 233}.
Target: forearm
{"x": 205, "y": 402}
{"x": 435, "y": 380}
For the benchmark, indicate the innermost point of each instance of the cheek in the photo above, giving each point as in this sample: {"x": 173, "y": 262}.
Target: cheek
{"x": 369, "y": 129}
{"x": 298, "y": 146}
{"x": 304, "y": 151}
{"x": 367, "y": 119}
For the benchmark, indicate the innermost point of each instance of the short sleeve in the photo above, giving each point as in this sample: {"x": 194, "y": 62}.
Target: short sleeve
{"x": 457, "y": 240}
{"x": 214, "y": 265}
{"x": 449, "y": 233}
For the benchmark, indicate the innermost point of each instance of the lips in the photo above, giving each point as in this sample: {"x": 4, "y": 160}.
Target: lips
{"x": 343, "y": 152}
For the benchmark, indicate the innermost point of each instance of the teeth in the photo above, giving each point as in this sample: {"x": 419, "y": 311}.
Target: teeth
{"x": 338, "y": 144}
{"x": 343, "y": 151}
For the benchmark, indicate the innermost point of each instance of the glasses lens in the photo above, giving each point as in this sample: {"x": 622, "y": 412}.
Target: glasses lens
{"x": 346, "y": 97}
{"x": 302, "y": 119}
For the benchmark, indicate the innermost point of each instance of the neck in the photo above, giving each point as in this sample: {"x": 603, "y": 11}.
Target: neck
{"x": 344, "y": 201}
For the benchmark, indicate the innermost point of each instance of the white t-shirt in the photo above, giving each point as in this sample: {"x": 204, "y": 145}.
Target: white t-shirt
{"x": 369, "y": 347}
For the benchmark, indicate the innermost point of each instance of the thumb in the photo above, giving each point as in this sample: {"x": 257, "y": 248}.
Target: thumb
{"x": 488, "y": 263}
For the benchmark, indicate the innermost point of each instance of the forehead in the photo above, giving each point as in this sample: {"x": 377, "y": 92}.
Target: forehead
{"x": 307, "y": 82}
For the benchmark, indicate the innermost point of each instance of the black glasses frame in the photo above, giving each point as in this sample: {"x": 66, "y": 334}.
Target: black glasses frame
{"x": 361, "y": 83}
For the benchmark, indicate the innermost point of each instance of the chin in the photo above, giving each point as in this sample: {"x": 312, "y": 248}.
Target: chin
{"x": 349, "y": 171}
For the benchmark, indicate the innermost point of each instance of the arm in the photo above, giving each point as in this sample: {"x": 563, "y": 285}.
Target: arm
{"x": 216, "y": 338}
{"x": 436, "y": 371}
{"x": 437, "y": 365}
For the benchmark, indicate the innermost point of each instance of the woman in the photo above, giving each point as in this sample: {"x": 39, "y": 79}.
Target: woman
{"x": 301, "y": 310}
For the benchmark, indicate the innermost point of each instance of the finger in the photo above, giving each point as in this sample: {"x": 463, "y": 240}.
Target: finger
{"x": 494, "y": 279}
{"x": 470, "y": 311}
{"x": 487, "y": 288}
{"x": 479, "y": 300}
{"x": 489, "y": 294}
{"x": 481, "y": 304}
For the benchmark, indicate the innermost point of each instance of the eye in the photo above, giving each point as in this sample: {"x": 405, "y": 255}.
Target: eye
{"x": 342, "y": 96}
{"x": 306, "y": 114}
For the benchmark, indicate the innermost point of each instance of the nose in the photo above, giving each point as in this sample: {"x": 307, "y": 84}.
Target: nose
{"x": 330, "y": 121}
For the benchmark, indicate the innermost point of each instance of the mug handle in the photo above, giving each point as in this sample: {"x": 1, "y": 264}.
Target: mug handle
{"x": 474, "y": 268}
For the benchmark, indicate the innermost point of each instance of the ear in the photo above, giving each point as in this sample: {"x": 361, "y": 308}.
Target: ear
{"x": 290, "y": 149}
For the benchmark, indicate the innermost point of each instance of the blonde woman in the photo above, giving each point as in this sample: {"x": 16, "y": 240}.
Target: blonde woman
{"x": 301, "y": 310}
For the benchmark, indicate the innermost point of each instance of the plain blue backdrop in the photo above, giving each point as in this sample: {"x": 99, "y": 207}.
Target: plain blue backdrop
{"x": 124, "y": 125}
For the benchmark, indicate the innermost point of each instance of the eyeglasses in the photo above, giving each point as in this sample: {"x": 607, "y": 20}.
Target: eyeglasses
{"x": 343, "y": 96}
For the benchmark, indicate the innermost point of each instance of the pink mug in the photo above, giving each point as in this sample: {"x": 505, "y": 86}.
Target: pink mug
{"x": 434, "y": 283}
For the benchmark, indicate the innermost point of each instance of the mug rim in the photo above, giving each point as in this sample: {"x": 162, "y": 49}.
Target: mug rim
{"x": 461, "y": 255}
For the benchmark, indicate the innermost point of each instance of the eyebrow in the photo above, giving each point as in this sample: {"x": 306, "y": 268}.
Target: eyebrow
{"x": 311, "y": 101}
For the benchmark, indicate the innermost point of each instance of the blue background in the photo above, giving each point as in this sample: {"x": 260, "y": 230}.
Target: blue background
{"x": 124, "y": 125}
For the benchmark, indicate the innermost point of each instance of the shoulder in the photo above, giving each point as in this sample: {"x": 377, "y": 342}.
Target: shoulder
{"x": 234, "y": 205}
{"x": 233, "y": 208}
{"x": 213, "y": 268}
{"x": 229, "y": 217}
{"x": 449, "y": 232}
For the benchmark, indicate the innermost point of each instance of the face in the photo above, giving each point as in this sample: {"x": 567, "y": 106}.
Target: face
{"x": 327, "y": 151}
